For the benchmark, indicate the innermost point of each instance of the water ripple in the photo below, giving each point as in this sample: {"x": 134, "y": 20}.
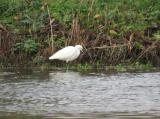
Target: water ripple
{"x": 76, "y": 93}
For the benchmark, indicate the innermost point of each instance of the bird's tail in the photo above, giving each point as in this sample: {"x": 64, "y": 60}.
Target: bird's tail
{"x": 51, "y": 58}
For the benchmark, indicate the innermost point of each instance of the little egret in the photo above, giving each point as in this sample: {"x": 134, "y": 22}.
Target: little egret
{"x": 68, "y": 53}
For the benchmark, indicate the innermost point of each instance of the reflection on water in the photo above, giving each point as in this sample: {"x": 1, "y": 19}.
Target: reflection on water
{"x": 73, "y": 94}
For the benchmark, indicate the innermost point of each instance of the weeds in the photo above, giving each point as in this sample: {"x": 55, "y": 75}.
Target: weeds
{"x": 29, "y": 47}
{"x": 113, "y": 32}
{"x": 133, "y": 67}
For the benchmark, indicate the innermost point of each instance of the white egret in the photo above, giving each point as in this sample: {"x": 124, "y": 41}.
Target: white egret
{"x": 68, "y": 53}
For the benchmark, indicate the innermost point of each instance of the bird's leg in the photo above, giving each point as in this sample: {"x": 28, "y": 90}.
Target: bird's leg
{"x": 67, "y": 66}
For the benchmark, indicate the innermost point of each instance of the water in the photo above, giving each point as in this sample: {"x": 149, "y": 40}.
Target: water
{"x": 61, "y": 94}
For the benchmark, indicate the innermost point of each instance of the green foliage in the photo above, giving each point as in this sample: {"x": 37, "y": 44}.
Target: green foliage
{"x": 23, "y": 14}
{"x": 3, "y": 6}
{"x": 28, "y": 46}
{"x": 10, "y": 7}
{"x": 143, "y": 67}
{"x": 58, "y": 41}
{"x": 84, "y": 67}
{"x": 38, "y": 60}
{"x": 119, "y": 15}
{"x": 71, "y": 8}
{"x": 138, "y": 45}
{"x": 133, "y": 67}
{"x": 112, "y": 17}
{"x": 120, "y": 68}
{"x": 157, "y": 35}
{"x": 116, "y": 15}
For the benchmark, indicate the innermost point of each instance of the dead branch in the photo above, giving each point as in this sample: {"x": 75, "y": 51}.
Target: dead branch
{"x": 106, "y": 46}
{"x": 147, "y": 50}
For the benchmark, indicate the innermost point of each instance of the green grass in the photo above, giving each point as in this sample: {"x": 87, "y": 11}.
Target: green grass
{"x": 132, "y": 67}
{"x": 119, "y": 15}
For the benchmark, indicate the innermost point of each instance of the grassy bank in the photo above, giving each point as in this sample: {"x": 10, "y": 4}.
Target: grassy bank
{"x": 86, "y": 68}
{"x": 113, "y": 32}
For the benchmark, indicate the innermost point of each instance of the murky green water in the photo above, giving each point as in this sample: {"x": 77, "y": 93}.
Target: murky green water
{"x": 61, "y": 94}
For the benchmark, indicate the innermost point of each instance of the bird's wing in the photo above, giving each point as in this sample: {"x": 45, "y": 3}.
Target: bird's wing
{"x": 64, "y": 53}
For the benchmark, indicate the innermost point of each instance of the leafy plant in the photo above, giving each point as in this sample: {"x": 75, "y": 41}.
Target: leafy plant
{"x": 138, "y": 45}
{"x": 120, "y": 68}
{"x": 84, "y": 67}
{"x": 29, "y": 47}
{"x": 142, "y": 67}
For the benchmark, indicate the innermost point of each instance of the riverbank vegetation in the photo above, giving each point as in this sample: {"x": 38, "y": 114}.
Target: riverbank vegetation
{"x": 113, "y": 32}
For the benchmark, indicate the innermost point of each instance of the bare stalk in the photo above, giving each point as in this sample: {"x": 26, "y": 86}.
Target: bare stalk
{"x": 106, "y": 46}
{"x": 51, "y": 27}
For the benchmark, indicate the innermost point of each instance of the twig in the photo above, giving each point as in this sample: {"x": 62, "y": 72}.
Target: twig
{"x": 106, "y": 46}
{"x": 3, "y": 28}
{"x": 147, "y": 50}
{"x": 51, "y": 27}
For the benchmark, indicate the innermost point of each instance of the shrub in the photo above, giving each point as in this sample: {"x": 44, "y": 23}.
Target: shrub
{"x": 28, "y": 47}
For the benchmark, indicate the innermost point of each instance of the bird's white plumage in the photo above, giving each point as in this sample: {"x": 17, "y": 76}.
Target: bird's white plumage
{"x": 68, "y": 53}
